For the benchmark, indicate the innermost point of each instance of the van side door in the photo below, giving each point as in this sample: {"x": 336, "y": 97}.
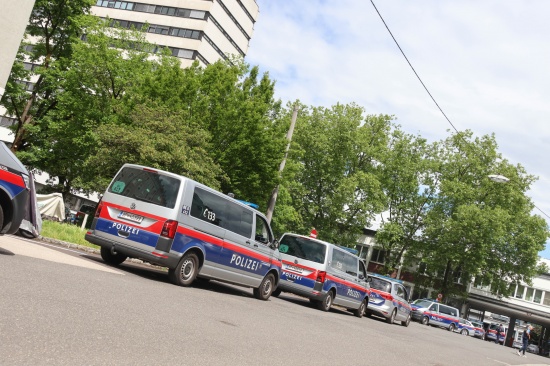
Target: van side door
{"x": 403, "y": 307}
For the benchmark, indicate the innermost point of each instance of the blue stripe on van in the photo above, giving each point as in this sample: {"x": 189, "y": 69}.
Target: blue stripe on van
{"x": 297, "y": 279}
{"x": 135, "y": 234}
{"x": 11, "y": 188}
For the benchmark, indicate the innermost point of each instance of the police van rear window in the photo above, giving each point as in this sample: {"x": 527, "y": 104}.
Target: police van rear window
{"x": 303, "y": 248}
{"x": 147, "y": 186}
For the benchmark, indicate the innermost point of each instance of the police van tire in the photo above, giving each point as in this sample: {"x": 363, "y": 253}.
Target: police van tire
{"x": 326, "y": 303}
{"x": 425, "y": 320}
{"x": 1, "y": 218}
{"x": 451, "y": 328}
{"x": 266, "y": 288}
{"x": 406, "y": 323}
{"x": 277, "y": 292}
{"x": 464, "y": 332}
{"x": 391, "y": 319}
{"x": 110, "y": 258}
{"x": 361, "y": 310}
{"x": 186, "y": 271}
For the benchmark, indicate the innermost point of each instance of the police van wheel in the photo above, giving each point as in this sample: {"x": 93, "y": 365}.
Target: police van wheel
{"x": 406, "y": 322}
{"x": 464, "y": 332}
{"x": 451, "y": 328}
{"x": 266, "y": 288}
{"x": 425, "y": 320}
{"x": 276, "y": 293}
{"x": 186, "y": 271}
{"x": 326, "y": 303}
{"x": 359, "y": 312}
{"x": 391, "y": 319}
{"x": 110, "y": 258}
{"x": 1, "y": 218}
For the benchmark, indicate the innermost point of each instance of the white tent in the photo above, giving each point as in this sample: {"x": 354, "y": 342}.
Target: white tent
{"x": 51, "y": 205}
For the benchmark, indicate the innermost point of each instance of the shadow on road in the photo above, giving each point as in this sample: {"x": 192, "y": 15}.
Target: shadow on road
{"x": 5, "y": 252}
{"x": 161, "y": 275}
{"x": 305, "y": 302}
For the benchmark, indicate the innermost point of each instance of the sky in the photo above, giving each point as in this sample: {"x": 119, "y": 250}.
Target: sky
{"x": 486, "y": 63}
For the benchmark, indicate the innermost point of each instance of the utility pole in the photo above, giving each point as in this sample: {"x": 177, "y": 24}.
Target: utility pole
{"x": 275, "y": 192}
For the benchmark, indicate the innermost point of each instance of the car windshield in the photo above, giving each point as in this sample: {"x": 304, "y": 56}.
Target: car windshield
{"x": 304, "y": 248}
{"x": 422, "y": 303}
{"x": 380, "y": 284}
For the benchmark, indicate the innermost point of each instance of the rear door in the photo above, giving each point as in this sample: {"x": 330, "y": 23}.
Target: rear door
{"x": 136, "y": 206}
{"x": 401, "y": 297}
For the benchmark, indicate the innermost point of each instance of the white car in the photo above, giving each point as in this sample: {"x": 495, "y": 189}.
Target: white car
{"x": 533, "y": 348}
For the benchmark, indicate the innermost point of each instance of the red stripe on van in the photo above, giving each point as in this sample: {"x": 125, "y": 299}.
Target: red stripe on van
{"x": 347, "y": 283}
{"x": 12, "y": 178}
{"x": 201, "y": 236}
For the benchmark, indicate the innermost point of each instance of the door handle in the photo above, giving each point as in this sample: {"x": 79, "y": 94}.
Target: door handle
{"x": 248, "y": 242}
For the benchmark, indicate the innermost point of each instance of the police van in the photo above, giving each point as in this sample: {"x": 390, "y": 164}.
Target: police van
{"x": 195, "y": 231}
{"x": 431, "y": 312}
{"x": 14, "y": 191}
{"x": 323, "y": 272}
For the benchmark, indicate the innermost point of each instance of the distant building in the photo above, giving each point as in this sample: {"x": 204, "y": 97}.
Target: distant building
{"x": 204, "y": 30}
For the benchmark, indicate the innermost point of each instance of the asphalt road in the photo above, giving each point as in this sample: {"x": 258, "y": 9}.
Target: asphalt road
{"x": 62, "y": 307}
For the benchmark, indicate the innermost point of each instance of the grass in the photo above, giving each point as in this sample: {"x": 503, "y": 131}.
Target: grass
{"x": 65, "y": 232}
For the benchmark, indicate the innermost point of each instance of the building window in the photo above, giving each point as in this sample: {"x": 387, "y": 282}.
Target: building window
{"x": 546, "y": 299}
{"x": 519, "y": 292}
{"x": 529, "y": 294}
{"x": 538, "y": 296}
{"x": 378, "y": 255}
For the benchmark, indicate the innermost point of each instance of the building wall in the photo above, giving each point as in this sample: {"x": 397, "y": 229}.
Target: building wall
{"x": 13, "y": 20}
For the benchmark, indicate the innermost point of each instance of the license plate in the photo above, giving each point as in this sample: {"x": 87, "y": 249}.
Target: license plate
{"x": 130, "y": 217}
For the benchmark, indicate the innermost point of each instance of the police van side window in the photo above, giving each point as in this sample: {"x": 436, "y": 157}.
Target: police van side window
{"x": 344, "y": 262}
{"x": 238, "y": 219}
{"x": 221, "y": 212}
{"x": 362, "y": 270}
{"x": 434, "y": 307}
{"x": 208, "y": 207}
{"x": 263, "y": 234}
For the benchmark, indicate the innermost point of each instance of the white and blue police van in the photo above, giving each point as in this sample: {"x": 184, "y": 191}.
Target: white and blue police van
{"x": 193, "y": 230}
{"x": 389, "y": 299}
{"x": 323, "y": 272}
{"x": 431, "y": 312}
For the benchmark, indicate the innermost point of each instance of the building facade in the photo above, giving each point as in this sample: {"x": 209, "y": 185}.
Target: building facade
{"x": 203, "y": 30}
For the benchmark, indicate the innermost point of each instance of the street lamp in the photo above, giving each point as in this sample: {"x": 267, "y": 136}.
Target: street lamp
{"x": 499, "y": 178}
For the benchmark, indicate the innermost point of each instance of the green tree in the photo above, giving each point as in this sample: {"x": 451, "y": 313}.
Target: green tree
{"x": 52, "y": 27}
{"x": 476, "y": 227}
{"x": 332, "y": 172}
{"x": 410, "y": 185}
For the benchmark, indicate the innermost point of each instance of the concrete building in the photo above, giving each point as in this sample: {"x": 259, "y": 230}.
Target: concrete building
{"x": 204, "y": 30}
{"x": 13, "y": 20}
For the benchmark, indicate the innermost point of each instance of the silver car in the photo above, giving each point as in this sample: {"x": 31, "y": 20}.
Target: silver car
{"x": 389, "y": 299}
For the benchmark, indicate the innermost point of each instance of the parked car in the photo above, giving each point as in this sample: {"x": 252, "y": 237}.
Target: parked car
{"x": 81, "y": 215}
{"x": 389, "y": 299}
{"x": 517, "y": 344}
{"x": 533, "y": 348}
{"x": 431, "y": 312}
{"x": 492, "y": 331}
{"x": 479, "y": 330}
{"x": 465, "y": 327}
{"x": 14, "y": 191}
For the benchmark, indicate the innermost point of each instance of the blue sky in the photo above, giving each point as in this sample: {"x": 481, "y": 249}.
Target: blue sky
{"x": 485, "y": 63}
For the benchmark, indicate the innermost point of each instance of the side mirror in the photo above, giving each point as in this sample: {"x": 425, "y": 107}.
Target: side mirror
{"x": 361, "y": 277}
{"x": 274, "y": 244}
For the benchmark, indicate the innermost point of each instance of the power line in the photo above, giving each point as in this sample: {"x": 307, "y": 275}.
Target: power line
{"x": 421, "y": 82}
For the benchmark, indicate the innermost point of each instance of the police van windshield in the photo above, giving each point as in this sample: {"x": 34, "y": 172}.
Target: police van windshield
{"x": 380, "y": 284}
{"x": 148, "y": 186}
{"x": 303, "y": 248}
